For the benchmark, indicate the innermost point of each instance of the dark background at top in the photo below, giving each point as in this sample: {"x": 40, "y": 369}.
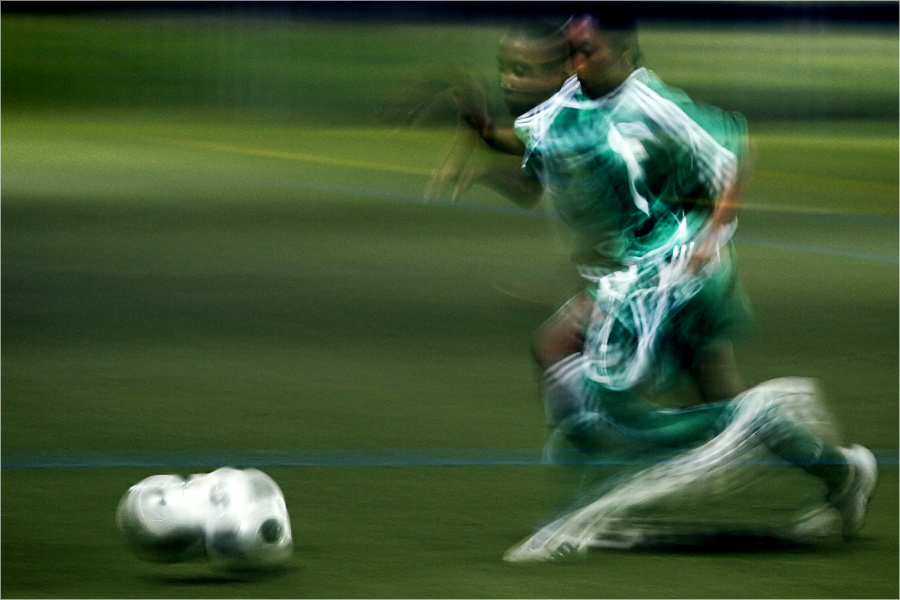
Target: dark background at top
{"x": 849, "y": 12}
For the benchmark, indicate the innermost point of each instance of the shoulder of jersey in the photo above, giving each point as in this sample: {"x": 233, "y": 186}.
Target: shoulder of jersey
{"x": 567, "y": 90}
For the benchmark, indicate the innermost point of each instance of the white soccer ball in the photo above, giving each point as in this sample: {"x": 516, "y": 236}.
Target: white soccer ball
{"x": 248, "y": 525}
{"x": 234, "y": 518}
{"x": 160, "y": 521}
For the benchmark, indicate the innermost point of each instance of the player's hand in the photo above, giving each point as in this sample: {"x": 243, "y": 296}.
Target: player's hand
{"x": 704, "y": 256}
{"x": 456, "y": 173}
{"x": 471, "y": 101}
{"x": 707, "y": 251}
{"x": 453, "y": 90}
{"x": 412, "y": 104}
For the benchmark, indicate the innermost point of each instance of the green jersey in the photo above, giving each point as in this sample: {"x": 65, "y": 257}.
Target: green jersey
{"x": 635, "y": 175}
{"x": 635, "y": 172}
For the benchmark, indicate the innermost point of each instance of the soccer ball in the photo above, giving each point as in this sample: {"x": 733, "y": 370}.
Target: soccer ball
{"x": 234, "y": 518}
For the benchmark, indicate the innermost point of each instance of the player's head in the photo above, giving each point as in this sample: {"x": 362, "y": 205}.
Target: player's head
{"x": 603, "y": 48}
{"x": 533, "y": 63}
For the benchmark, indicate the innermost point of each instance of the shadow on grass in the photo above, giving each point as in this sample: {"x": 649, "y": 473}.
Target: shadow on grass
{"x": 718, "y": 541}
{"x": 721, "y": 541}
{"x": 216, "y": 578}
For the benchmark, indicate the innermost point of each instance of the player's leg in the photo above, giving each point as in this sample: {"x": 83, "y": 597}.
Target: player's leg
{"x": 603, "y": 509}
{"x": 581, "y": 409}
{"x": 715, "y": 372}
{"x": 785, "y": 416}
{"x": 792, "y": 423}
{"x": 556, "y": 350}
{"x": 696, "y": 338}
{"x": 562, "y": 335}
{"x": 781, "y": 416}
{"x": 705, "y": 329}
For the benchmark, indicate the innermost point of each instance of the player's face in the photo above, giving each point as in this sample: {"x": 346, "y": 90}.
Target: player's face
{"x": 600, "y": 64}
{"x": 530, "y": 72}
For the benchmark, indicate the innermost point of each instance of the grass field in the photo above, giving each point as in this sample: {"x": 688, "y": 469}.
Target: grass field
{"x": 230, "y": 263}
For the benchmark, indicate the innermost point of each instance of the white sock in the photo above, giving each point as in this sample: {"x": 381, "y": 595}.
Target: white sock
{"x": 562, "y": 389}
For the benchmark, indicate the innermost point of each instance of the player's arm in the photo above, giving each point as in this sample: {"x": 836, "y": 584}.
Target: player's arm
{"x": 728, "y": 203}
{"x": 501, "y": 138}
{"x": 473, "y": 109}
{"x": 727, "y": 194}
{"x": 508, "y": 178}
{"x": 718, "y": 229}
{"x": 503, "y": 174}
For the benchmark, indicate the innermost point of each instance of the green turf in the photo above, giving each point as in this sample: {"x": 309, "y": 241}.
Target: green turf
{"x": 399, "y": 532}
{"x": 194, "y": 274}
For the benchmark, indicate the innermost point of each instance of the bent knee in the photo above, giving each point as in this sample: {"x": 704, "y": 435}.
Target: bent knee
{"x": 552, "y": 344}
{"x": 562, "y": 334}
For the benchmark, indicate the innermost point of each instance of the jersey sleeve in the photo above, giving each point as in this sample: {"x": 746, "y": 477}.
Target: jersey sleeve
{"x": 531, "y": 160}
{"x": 703, "y": 145}
{"x": 709, "y": 147}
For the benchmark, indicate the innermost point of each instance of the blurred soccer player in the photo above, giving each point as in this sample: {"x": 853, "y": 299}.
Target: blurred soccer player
{"x": 649, "y": 182}
{"x": 532, "y": 64}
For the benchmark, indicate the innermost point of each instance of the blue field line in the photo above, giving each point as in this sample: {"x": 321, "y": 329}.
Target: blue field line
{"x": 314, "y": 458}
